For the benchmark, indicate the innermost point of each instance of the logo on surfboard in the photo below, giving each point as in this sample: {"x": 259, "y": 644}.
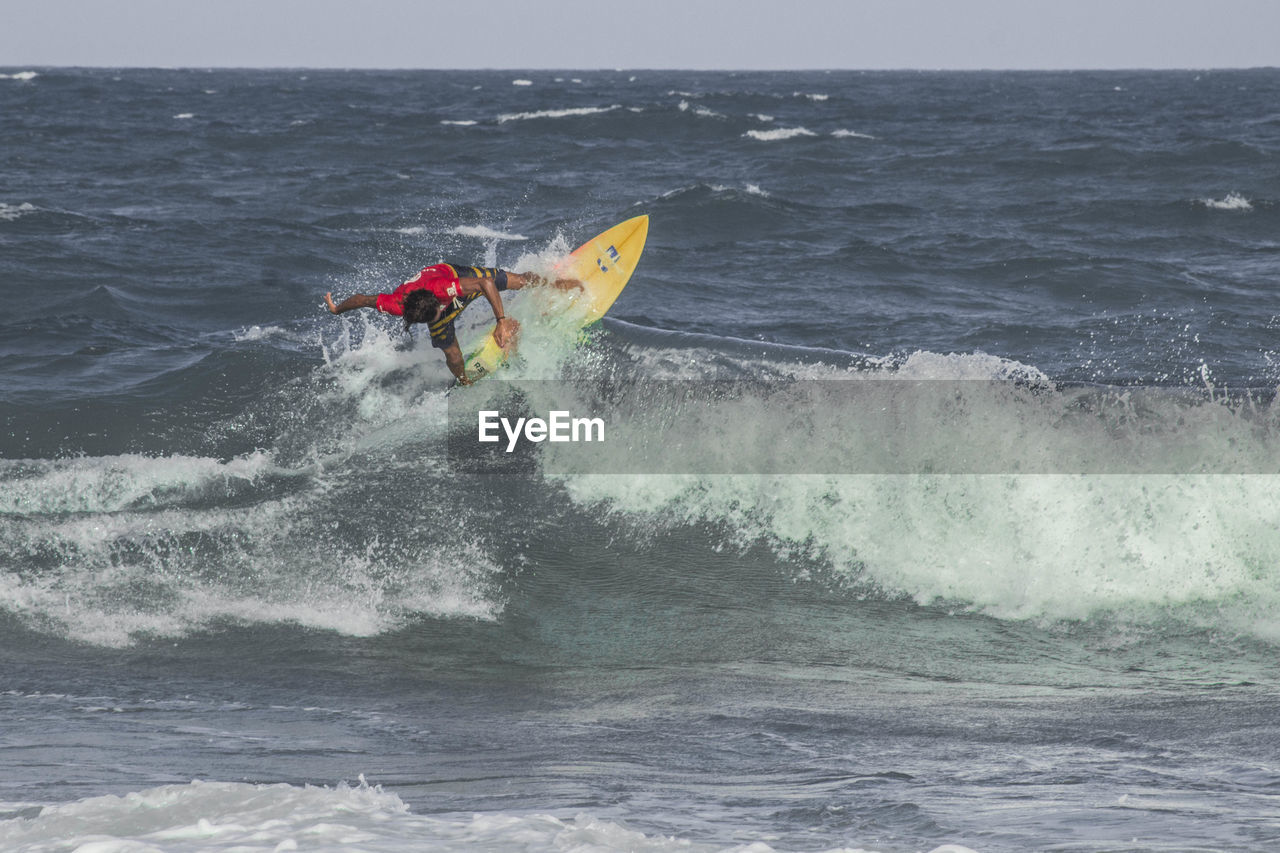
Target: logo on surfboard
{"x": 614, "y": 257}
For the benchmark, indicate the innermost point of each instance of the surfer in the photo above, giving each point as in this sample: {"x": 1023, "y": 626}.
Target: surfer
{"x": 437, "y": 295}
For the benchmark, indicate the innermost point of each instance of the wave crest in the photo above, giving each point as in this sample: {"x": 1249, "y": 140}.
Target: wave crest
{"x": 779, "y": 134}
{"x": 1232, "y": 201}
{"x": 570, "y": 112}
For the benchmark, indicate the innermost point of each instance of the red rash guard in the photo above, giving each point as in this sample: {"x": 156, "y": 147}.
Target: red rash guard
{"x": 441, "y": 280}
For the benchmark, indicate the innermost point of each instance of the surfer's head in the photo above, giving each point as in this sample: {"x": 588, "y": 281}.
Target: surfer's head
{"x": 421, "y": 306}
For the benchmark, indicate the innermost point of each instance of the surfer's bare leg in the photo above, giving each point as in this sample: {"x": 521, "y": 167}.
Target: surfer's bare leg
{"x": 517, "y": 280}
{"x": 453, "y": 358}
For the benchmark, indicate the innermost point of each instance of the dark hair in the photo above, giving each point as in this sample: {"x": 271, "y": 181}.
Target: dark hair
{"x": 420, "y": 306}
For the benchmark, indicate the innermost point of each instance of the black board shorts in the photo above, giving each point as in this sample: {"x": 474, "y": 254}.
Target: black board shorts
{"x": 442, "y": 332}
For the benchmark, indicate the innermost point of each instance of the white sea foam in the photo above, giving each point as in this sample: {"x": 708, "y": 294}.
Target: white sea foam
{"x": 1232, "y": 201}
{"x": 226, "y": 816}
{"x": 185, "y": 115}
{"x": 851, "y": 134}
{"x": 564, "y": 113}
{"x": 8, "y": 213}
{"x": 484, "y": 232}
{"x": 135, "y": 545}
{"x": 21, "y": 75}
{"x": 812, "y": 97}
{"x": 108, "y": 527}
{"x": 699, "y": 111}
{"x": 779, "y": 133}
{"x": 521, "y": 82}
{"x": 256, "y": 333}
{"x": 459, "y": 122}
{"x": 109, "y": 484}
{"x": 922, "y": 364}
{"x": 749, "y": 189}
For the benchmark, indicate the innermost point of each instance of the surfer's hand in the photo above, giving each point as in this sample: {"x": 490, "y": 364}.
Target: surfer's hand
{"x": 506, "y": 330}
{"x": 463, "y": 380}
{"x": 328, "y": 300}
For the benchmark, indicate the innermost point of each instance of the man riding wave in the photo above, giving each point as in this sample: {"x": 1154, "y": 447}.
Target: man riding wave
{"x": 439, "y": 293}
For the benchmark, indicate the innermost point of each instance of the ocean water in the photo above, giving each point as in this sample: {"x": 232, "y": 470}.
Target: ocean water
{"x": 248, "y": 601}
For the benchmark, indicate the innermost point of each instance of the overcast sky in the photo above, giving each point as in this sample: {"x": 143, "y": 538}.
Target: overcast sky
{"x": 729, "y": 34}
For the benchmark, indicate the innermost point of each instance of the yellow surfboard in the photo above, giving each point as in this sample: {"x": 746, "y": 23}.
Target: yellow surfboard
{"x": 603, "y": 264}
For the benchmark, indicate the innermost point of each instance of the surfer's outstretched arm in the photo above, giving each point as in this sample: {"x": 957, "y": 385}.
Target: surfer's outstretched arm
{"x": 359, "y": 300}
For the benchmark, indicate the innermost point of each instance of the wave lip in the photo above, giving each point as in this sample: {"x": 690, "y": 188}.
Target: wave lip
{"x": 1165, "y": 549}
{"x": 1232, "y": 201}
{"x": 484, "y": 232}
{"x": 779, "y": 134}
{"x": 114, "y": 484}
{"x": 216, "y": 816}
{"x": 700, "y": 111}
{"x": 10, "y": 212}
{"x": 568, "y": 112}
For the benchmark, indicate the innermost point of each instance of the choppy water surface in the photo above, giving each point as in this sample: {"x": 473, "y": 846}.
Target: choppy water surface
{"x": 246, "y": 600}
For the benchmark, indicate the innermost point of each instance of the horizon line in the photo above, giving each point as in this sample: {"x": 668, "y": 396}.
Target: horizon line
{"x": 633, "y": 69}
